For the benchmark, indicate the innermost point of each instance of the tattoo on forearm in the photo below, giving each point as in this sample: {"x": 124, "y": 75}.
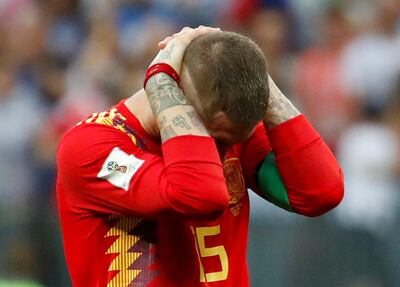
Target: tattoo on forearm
{"x": 162, "y": 121}
{"x": 194, "y": 118}
{"x": 280, "y": 109}
{"x": 157, "y": 81}
{"x": 196, "y": 121}
{"x": 165, "y": 95}
{"x": 164, "y": 55}
{"x": 167, "y": 132}
{"x": 180, "y": 121}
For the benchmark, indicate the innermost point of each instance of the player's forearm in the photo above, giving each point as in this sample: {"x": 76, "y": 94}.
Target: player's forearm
{"x": 309, "y": 172}
{"x": 280, "y": 109}
{"x": 305, "y": 177}
{"x": 175, "y": 116}
{"x": 195, "y": 185}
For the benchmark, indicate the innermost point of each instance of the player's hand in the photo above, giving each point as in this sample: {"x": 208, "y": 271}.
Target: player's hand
{"x": 173, "y": 47}
{"x": 280, "y": 109}
{"x": 162, "y": 44}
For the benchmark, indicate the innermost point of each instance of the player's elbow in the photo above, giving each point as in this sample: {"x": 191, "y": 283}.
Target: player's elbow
{"x": 200, "y": 199}
{"x": 322, "y": 199}
{"x": 213, "y": 204}
{"x": 325, "y": 201}
{"x": 197, "y": 188}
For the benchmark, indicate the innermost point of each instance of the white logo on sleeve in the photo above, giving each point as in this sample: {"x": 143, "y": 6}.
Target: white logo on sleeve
{"x": 119, "y": 168}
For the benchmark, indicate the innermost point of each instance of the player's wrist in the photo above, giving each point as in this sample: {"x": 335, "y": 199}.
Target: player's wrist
{"x": 171, "y": 55}
{"x": 173, "y": 47}
{"x": 280, "y": 108}
{"x": 161, "y": 68}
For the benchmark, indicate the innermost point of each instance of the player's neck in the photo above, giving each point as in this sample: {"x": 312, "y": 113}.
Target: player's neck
{"x": 139, "y": 105}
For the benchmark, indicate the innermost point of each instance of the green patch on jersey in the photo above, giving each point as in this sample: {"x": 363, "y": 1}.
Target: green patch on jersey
{"x": 270, "y": 183}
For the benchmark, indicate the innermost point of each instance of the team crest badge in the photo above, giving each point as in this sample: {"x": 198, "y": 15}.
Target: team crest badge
{"x": 235, "y": 184}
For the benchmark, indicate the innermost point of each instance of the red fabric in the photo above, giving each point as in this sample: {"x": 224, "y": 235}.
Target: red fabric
{"x": 118, "y": 237}
{"x": 161, "y": 68}
{"x": 252, "y": 153}
{"x": 102, "y": 222}
{"x": 177, "y": 185}
{"x": 310, "y": 172}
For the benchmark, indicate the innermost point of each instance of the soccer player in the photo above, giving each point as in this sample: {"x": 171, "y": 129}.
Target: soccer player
{"x": 153, "y": 192}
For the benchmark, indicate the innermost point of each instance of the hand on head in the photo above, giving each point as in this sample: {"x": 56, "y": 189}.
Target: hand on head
{"x": 189, "y": 33}
{"x": 173, "y": 47}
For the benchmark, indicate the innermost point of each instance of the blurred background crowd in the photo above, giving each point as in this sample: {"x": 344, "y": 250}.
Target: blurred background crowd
{"x": 339, "y": 61}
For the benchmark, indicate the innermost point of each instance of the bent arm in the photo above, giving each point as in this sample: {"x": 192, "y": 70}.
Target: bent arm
{"x": 101, "y": 170}
{"x": 280, "y": 109}
{"x": 175, "y": 116}
{"x": 185, "y": 140}
{"x": 303, "y": 175}
{"x": 293, "y": 167}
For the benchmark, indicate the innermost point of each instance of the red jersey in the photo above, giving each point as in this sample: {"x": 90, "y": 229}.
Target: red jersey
{"x": 125, "y": 222}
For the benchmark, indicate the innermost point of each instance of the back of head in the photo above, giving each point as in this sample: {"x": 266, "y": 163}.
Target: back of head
{"x": 228, "y": 71}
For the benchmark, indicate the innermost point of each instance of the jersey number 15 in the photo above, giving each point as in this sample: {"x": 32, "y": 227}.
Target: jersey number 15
{"x": 203, "y": 251}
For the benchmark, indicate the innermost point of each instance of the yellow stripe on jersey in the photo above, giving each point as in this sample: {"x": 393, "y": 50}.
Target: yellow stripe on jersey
{"x": 123, "y": 261}
{"x": 113, "y": 119}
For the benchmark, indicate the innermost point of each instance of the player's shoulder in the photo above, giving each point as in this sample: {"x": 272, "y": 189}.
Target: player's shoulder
{"x": 97, "y": 134}
{"x": 112, "y": 117}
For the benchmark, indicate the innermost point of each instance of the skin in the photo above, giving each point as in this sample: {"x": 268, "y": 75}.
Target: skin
{"x": 164, "y": 111}
{"x": 220, "y": 127}
{"x": 280, "y": 109}
{"x": 174, "y": 114}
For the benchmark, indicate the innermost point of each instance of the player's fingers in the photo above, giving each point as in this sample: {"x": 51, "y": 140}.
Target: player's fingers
{"x": 188, "y": 34}
{"x": 186, "y": 29}
{"x": 182, "y": 31}
{"x": 194, "y": 33}
{"x": 190, "y": 30}
{"x": 199, "y": 30}
{"x": 209, "y": 27}
{"x": 162, "y": 44}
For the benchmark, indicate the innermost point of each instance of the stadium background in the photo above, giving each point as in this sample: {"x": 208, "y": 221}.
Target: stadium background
{"x": 339, "y": 61}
